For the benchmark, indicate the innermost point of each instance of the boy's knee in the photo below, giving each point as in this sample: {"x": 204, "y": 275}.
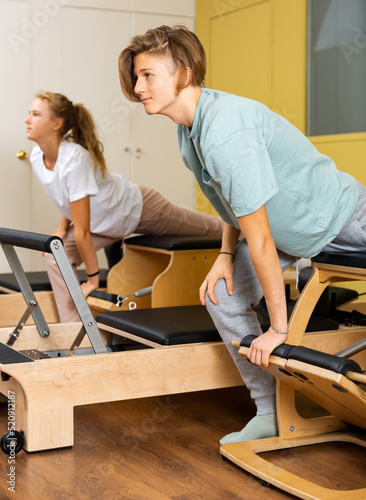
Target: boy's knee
{"x": 220, "y": 293}
{"x": 243, "y": 299}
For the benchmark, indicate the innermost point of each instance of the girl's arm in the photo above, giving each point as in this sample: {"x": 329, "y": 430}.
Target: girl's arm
{"x": 80, "y": 210}
{"x": 62, "y": 227}
{"x": 263, "y": 254}
{"x": 223, "y": 266}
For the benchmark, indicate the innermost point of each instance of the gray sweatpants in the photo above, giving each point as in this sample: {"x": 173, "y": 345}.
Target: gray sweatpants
{"x": 234, "y": 317}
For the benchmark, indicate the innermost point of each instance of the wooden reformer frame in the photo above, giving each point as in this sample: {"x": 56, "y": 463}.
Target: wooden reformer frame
{"x": 46, "y": 390}
{"x": 338, "y": 394}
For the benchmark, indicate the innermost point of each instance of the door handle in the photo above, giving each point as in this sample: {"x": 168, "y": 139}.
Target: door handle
{"x": 22, "y": 155}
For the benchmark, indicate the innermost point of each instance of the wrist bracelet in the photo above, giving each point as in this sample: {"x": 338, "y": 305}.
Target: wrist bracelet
{"x": 227, "y": 253}
{"x": 276, "y": 331}
{"x": 91, "y": 275}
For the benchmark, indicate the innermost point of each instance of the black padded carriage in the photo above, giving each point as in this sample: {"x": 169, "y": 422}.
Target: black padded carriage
{"x": 162, "y": 326}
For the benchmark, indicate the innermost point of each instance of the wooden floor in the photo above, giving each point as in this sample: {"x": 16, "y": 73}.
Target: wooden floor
{"x": 166, "y": 448}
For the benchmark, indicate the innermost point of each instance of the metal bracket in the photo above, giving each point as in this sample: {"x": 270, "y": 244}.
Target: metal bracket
{"x": 78, "y": 339}
{"x": 29, "y": 297}
{"x": 14, "y": 335}
{"x": 89, "y": 324}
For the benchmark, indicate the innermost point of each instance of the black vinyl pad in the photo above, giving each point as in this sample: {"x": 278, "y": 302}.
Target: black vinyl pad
{"x": 174, "y": 242}
{"x": 26, "y": 239}
{"x": 9, "y": 356}
{"x": 310, "y": 356}
{"x": 39, "y": 281}
{"x": 164, "y": 325}
{"x": 350, "y": 259}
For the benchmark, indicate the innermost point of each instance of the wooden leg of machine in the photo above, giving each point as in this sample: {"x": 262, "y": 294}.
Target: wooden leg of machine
{"x": 246, "y": 456}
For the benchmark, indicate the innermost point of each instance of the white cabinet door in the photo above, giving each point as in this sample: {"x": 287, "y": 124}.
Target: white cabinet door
{"x": 15, "y": 196}
{"x": 91, "y": 42}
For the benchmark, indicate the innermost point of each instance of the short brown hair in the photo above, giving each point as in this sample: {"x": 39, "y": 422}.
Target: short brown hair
{"x": 179, "y": 43}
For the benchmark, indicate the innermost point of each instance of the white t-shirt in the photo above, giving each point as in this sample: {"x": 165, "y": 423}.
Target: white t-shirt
{"x": 115, "y": 204}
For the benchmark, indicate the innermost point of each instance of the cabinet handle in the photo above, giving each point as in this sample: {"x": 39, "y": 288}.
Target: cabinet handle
{"x": 138, "y": 151}
{"x": 22, "y": 155}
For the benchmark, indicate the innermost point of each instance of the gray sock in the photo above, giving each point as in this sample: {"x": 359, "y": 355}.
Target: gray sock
{"x": 261, "y": 426}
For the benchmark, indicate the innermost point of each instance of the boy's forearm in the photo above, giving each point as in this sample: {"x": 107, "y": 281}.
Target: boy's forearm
{"x": 230, "y": 237}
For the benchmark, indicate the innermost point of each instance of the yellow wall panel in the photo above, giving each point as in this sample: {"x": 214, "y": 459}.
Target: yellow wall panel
{"x": 289, "y": 61}
{"x": 241, "y": 52}
{"x": 347, "y": 150}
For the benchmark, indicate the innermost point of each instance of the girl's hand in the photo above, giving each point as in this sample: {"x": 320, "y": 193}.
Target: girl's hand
{"x": 223, "y": 268}
{"x": 90, "y": 285}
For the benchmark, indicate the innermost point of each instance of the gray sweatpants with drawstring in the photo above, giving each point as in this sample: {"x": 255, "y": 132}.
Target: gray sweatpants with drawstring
{"x": 234, "y": 317}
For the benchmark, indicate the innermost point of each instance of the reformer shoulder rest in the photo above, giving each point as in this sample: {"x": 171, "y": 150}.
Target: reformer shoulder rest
{"x": 350, "y": 259}
{"x": 175, "y": 242}
{"x": 310, "y": 356}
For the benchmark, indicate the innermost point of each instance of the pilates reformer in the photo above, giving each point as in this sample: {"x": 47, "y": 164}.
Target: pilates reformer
{"x": 317, "y": 365}
{"x": 52, "y": 368}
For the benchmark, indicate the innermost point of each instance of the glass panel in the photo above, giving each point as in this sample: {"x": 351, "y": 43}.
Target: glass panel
{"x": 337, "y": 67}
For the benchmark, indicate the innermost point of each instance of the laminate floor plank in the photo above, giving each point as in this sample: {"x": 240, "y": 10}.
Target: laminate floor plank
{"x": 163, "y": 448}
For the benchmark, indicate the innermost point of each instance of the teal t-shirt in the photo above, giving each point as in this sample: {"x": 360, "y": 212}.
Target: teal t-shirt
{"x": 244, "y": 155}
